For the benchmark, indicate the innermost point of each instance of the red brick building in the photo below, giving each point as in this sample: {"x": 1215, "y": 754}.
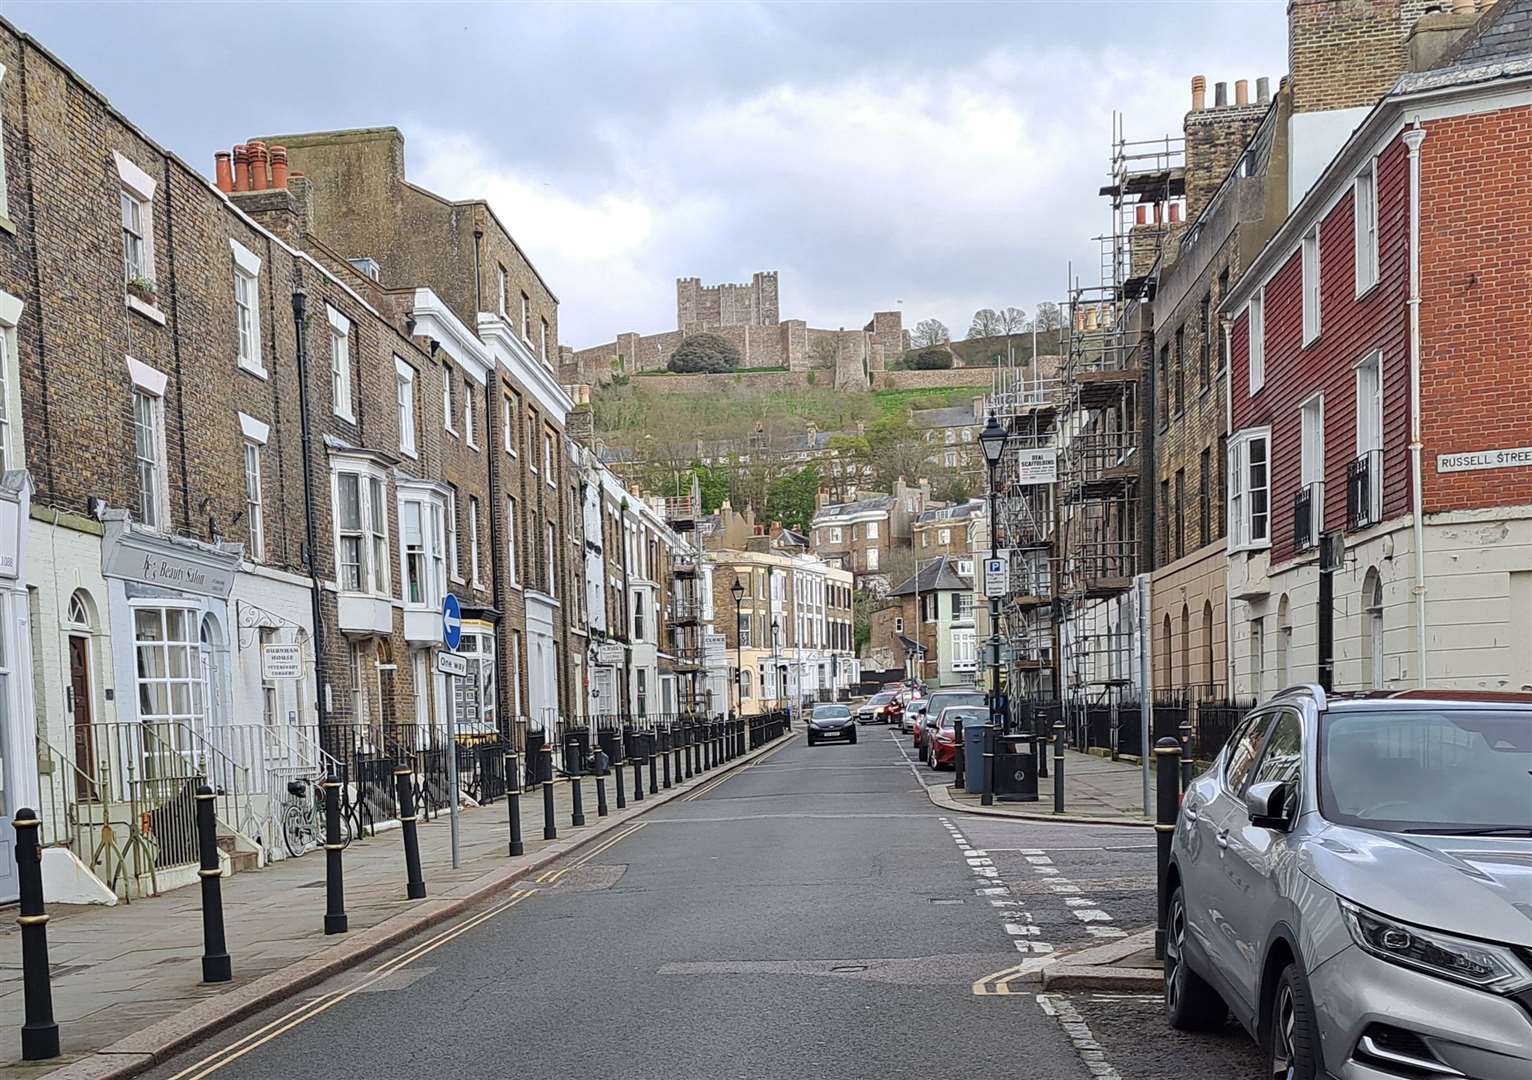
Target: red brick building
{"x": 1379, "y": 387}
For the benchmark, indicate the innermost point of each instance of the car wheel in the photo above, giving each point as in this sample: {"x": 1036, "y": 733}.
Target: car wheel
{"x": 1190, "y": 1003}
{"x": 1293, "y": 1035}
{"x": 852, "y": 740}
{"x": 811, "y": 738}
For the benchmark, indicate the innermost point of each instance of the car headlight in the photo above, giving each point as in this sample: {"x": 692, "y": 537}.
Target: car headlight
{"x": 1478, "y": 963}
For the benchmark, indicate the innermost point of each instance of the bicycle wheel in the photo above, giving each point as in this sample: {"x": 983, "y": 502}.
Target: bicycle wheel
{"x": 297, "y": 832}
{"x": 345, "y": 831}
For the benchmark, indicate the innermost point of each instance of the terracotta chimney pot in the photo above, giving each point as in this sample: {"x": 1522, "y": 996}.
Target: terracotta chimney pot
{"x": 1241, "y": 92}
{"x": 259, "y": 181}
{"x": 1141, "y": 215}
{"x": 223, "y": 172}
{"x": 1175, "y": 213}
{"x": 1199, "y": 92}
{"x": 241, "y": 167}
{"x": 279, "y": 166}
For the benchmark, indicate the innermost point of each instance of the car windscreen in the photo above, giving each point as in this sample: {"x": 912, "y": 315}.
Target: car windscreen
{"x": 831, "y": 712}
{"x": 948, "y": 698}
{"x": 881, "y": 699}
{"x": 1444, "y": 770}
{"x": 967, "y": 715}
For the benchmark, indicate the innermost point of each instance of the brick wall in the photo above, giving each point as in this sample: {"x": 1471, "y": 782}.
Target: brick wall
{"x": 1346, "y": 53}
{"x": 1215, "y": 139}
{"x": 1476, "y": 297}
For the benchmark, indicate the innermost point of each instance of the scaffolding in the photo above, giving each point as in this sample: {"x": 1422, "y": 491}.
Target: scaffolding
{"x": 686, "y": 623}
{"x": 1101, "y": 439}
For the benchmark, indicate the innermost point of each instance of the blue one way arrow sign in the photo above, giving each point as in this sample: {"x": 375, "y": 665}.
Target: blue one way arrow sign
{"x": 452, "y": 622}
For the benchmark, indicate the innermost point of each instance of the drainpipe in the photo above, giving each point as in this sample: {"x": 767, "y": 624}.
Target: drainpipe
{"x": 1412, "y": 139}
{"x": 321, "y": 671}
{"x": 497, "y": 567}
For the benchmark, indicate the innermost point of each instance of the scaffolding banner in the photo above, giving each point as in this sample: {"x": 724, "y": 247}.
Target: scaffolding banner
{"x": 1038, "y": 466}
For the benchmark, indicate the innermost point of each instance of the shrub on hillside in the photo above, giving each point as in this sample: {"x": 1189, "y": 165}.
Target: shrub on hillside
{"x": 704, "y": 353}
{"x": 934, "y": 358}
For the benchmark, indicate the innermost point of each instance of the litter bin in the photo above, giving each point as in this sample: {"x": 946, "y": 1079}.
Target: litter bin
{"x": 1015, "y": 769}
{"x": 973, "y": 757}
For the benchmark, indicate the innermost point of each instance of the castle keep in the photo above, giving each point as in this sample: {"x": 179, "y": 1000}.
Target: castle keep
{"x": 749, "y": 316}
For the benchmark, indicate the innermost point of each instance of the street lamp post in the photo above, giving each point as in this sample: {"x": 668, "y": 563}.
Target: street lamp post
{"x": 776, "y": 664}
{"x": 992, "y": 443}
{"x": 738, "y": 592}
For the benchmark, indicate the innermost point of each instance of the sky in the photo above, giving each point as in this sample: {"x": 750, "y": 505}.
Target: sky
{"x": 931, "y": 158}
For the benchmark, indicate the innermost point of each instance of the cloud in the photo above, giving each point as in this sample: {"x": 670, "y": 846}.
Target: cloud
{"x": 943, "y": 154}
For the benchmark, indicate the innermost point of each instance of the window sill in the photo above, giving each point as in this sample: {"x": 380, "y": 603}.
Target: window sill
{"x": 452, "y": 431}
{"x": 7, "y": 225}
{"x": 148, "y": 311}
{"x": 347, "y": 417}
{"x": 1311, "y": 341}
{"x": 253, "y": 369}
{"x": 1362, "y": 294}
{"x": 410, "y": 453}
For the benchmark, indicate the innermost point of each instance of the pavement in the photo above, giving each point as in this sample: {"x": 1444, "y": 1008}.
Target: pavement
{"x": 1096, "y": 791}
{"x": 811, "y": 913}
{"x": 126, "y": 979}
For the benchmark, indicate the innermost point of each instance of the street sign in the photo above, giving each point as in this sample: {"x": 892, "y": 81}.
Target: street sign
{"x": 281, "y": 661}
{"x": 997, "y": 578}
{"x": 609, "y": 653}
{"x": 452, "y": 622}
{"x": 1037, "y": 466}
{"x": 449, "y": 663}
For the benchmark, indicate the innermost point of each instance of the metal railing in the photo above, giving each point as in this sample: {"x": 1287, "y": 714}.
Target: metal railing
{"x": 127, "y": 806}
{"x": 1308, "y": 515}
{"x": 1364, "y": 490}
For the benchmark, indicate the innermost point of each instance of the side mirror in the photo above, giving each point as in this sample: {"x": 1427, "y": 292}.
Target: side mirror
{"x": 1270, "y": 805}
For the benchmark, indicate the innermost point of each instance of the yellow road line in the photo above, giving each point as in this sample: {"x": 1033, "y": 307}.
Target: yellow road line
{"x": 238, "y": 1049}
{"x": 711, "y": 785}
{"x": 999, "y": 982}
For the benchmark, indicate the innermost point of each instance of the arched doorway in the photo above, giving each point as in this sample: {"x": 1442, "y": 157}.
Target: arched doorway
{"x": 1186, "y": 646}
{"x": 80, "y": 625}
{"x": 1372, "y": 629}
{"x": 215, "y": 675}
{"x": 1207, "y": 647}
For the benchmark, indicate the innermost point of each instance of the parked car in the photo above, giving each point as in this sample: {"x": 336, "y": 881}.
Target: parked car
{"x": 945, "y": 698}
{"x": 1352, "y": 879}
{"x": 831, "y": 722}
{"x": 881, "y": 708}
{"x": 913, "y": 712}
{"x": 941, "y": 741}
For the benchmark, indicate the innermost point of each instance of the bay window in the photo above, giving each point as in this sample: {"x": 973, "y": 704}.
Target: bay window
{"x": 1250, "y": 489}
{"x": 361, "y": 530}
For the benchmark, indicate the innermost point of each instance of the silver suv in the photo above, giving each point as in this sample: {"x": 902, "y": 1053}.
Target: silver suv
{"x": 1352, "y": 879}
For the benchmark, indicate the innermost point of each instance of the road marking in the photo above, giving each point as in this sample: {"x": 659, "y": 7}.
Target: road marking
{"x": 307, "y": 1011}
{"x": 1080, "y": 1035}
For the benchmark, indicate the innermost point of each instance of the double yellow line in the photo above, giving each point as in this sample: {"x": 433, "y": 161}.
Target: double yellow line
{"x": 552, "y": 877}
{"x": 711, "y": 785}
{"x": 310, "y": 1009}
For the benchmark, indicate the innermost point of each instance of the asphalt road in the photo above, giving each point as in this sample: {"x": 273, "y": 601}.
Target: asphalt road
{"x": 811, "y": 914}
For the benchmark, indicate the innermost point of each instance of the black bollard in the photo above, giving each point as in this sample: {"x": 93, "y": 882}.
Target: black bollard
{"x": 513, "y": 801}
{"x": 665, "y": 757}
{"x": 1040, "y": 752}
{"x": 576, "y": 789}
{"x": 686, "y": 749}
{"x": 334, "y": 889}
{"x": 1058, "y": 767}
{"x": 622, "y": 799}
{"x": 545, "y": 770}
{"x": 959, "y": 760}
{"x": 638, "y": 768}
{"x": 415, "y": 882}
{"x": 654, "y": 786}
{"x": 215, "y": 951}
{"x": 39, "y": 1031}
{"x": 599, "y": 765}
{"x": 675, "y": 752}
{"x": 987, "y": 780}
{"x": 1167, "y": 758}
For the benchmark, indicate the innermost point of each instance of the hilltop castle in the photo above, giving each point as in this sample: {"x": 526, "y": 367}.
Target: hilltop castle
{"x": 748, "y": 315}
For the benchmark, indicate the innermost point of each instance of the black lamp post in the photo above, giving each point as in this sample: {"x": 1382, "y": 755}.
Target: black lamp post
{"x": 776, "y": 665}
{"x": 992, "y": 444}
{"x": 738, "y": 592}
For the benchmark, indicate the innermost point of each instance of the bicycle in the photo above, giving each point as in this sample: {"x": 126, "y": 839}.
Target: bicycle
{"x": 303, "y": 824}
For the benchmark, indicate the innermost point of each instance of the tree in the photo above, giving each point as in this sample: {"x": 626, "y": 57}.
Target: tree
{"x": 895, "y": 449}
{"x": 1049, "y": 317}
{"x": 790, "y": 498}
{"x": 986, "y": 323}
{"x": 1013, "y": 320}
{"x": 935, "y": 358}
{"x": 704, "y": 353}
{"x": 930, "y": 332}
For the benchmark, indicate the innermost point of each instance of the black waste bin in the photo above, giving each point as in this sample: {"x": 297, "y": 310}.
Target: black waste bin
{"x": 1015, "y": 769}
{"x": 611, "y": 745}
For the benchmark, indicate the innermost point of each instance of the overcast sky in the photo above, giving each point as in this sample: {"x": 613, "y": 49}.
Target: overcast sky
{"x": 945, "y": 155}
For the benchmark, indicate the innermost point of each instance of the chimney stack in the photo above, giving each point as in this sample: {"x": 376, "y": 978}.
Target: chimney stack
{"x": 223, "y": 172}
{"x": 259, "y": 181}
{"x": 1199, "y": 92}
{"x": 1262, "y": 90}
{"x": 241, "y": 167}
{"x": 1241, "y": 92}
{"x": 1220, "y": 95}
{"x": 1175, "y": 213}
{"x": 279, "y": 166}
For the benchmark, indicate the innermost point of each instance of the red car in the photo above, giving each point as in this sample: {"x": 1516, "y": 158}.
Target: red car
{"x": 941, "y": 749}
